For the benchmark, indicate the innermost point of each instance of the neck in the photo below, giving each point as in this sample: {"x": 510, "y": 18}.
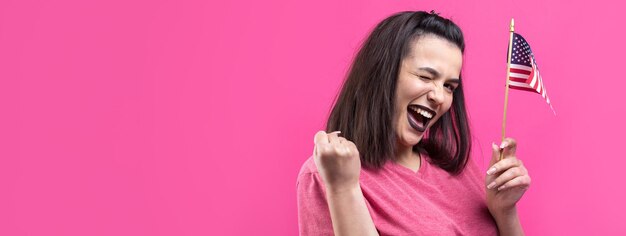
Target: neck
{"x": 408, "y": 158}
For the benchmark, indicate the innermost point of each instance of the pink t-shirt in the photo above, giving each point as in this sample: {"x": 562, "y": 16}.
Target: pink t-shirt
{"x": 403, "y": 202}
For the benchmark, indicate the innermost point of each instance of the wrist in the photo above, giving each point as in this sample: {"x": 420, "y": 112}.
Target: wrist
{"x": 504, "y": 213}
{"x": 343, "y": 190}
{"x": 508, "y": 222}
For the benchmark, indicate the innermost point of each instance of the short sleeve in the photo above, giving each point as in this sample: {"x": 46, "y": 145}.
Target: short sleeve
{"x": 313, "y": 213}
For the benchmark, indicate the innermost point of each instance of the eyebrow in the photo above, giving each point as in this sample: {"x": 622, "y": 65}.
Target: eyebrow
{"x": 436, "y": 74}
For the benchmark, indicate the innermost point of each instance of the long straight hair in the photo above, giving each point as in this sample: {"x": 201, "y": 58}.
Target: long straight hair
{"x": 364, "y": 109}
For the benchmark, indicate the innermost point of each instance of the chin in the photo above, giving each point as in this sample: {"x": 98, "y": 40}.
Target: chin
{"x": 411, "y": 140}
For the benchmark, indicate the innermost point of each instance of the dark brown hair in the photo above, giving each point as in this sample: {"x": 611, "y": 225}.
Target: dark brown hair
{"x": 364, "y": 109}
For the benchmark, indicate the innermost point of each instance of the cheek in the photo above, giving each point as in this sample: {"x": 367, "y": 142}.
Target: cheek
{"x": 449, "y": 104}
{"x": 398, "y": 119}
{"x": 445, "y": 108}
{"x": 449, "y": 101}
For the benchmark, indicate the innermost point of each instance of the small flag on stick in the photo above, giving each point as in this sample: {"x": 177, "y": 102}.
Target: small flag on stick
{"x": 523, "y": 70}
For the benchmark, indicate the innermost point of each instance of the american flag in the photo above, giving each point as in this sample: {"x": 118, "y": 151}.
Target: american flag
{"x": 523, "y": 73}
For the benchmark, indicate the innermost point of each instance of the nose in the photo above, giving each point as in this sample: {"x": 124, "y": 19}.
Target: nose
{"x": 436, "y": 94}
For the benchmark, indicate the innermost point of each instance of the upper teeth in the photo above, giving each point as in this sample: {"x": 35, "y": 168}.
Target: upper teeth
{"x": 424, "y": 113}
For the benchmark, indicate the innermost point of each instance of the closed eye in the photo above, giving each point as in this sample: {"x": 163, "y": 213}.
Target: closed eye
{"x": 424, "y": 77}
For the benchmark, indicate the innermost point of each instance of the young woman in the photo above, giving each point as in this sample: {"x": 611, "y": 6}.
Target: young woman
{"x": 395, "y": 160}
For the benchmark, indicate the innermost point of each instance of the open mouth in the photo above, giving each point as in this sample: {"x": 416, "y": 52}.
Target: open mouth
{"x": 419, "y": 116}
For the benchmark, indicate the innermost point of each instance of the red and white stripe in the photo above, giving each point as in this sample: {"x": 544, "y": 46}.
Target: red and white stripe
{"x": 527, "y": 78}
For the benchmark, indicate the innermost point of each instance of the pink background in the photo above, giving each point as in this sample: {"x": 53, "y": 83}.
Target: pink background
{"x": 193, "y": 117}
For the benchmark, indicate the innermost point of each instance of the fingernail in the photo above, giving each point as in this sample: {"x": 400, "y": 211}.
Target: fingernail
{"x": 491, "y": 185}
{"x": 503, "y": 144}
{"x": 501, "y": 187}
{"x": 336, "y": 132}
{"x": 495, "y": 147}
{"x": 491, "y": 171}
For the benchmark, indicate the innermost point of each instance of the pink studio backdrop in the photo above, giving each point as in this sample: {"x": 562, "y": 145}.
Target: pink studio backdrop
{"x": 193, "y": 117}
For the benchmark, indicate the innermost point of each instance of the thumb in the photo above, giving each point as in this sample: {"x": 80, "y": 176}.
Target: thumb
{"x": 495, "y": 154}
{"x": 320, "y": 138}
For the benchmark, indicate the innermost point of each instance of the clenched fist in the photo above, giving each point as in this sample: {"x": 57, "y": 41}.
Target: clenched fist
{"x": 337, "y": 160}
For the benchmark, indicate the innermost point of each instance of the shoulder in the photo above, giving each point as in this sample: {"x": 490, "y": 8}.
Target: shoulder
{"x": 308, "y": 167}
{"x": 309, "y": 184}
{"x": 472, "y": 175}
{"x": 309, "y": 175}
{"x": 472, "y": 167}
{"x": 313, "y": 213}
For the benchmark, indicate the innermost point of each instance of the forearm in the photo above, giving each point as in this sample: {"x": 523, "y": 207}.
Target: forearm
{"x": 349, "y": 212}
{"x": 509, "y": 223}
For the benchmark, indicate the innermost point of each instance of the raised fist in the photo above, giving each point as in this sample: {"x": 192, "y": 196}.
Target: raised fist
{"x": 337, "y": 160}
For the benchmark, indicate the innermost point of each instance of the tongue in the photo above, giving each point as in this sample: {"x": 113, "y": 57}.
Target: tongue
{"x": 416, "y": 121}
